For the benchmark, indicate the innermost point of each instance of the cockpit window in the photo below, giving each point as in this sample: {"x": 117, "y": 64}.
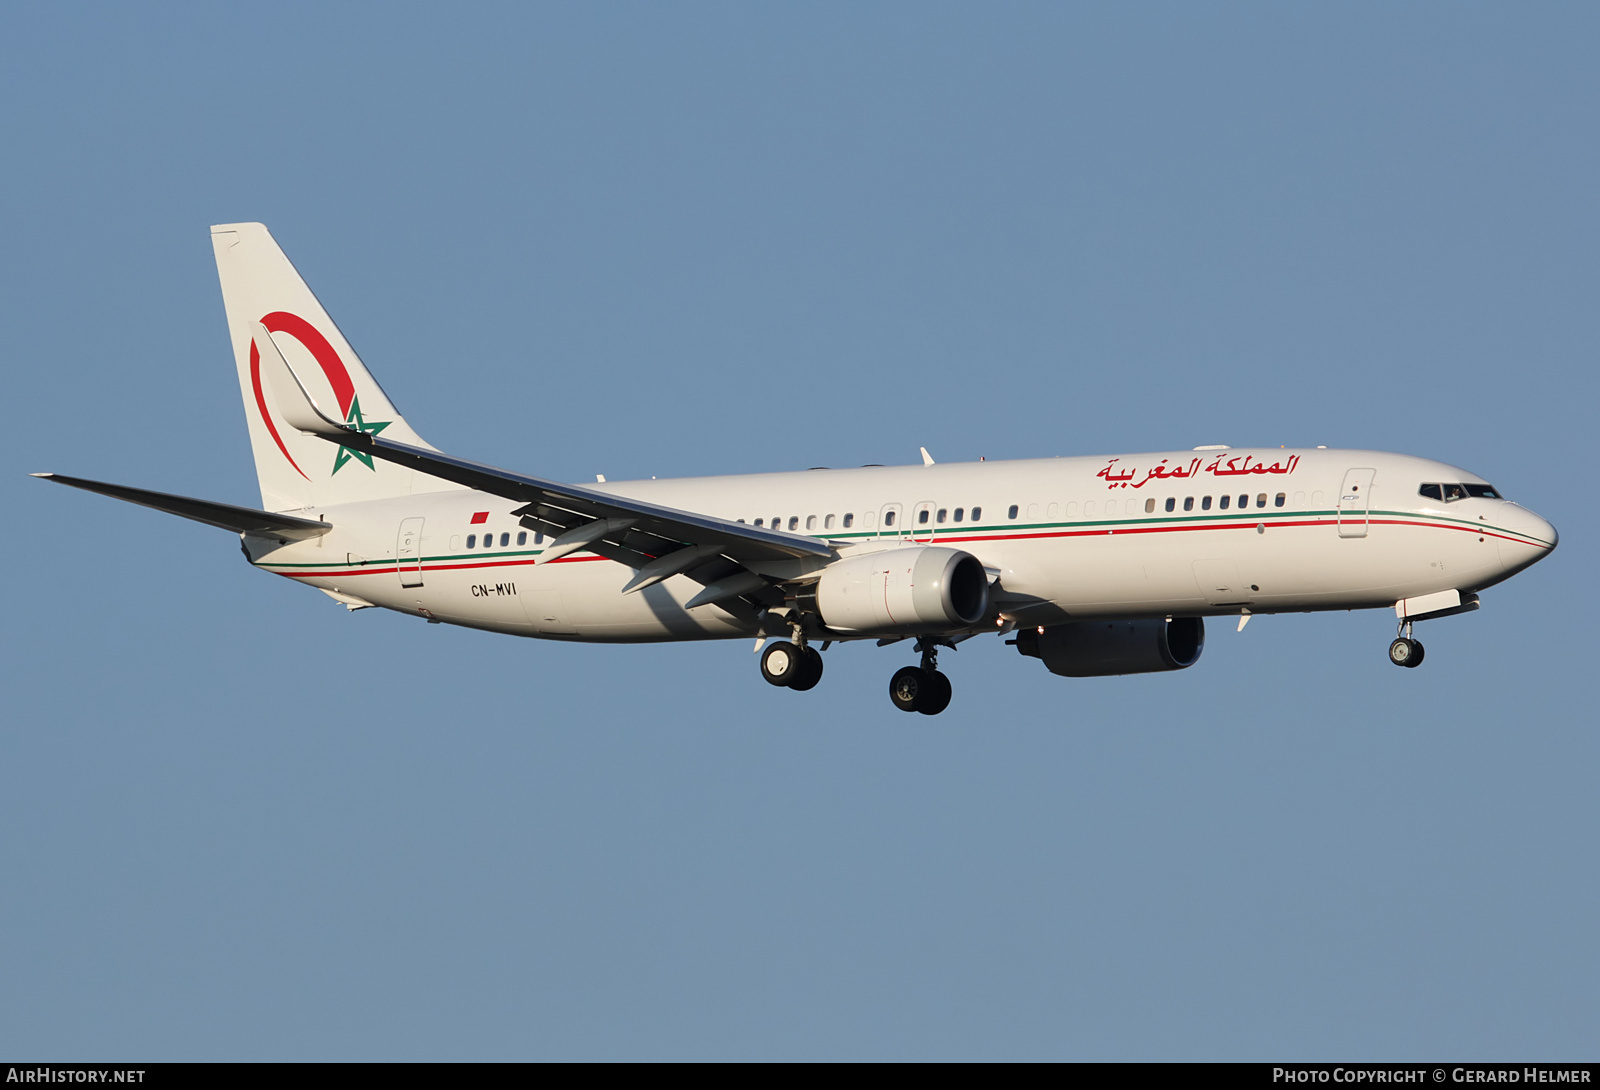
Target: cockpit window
{"x": 1449, "y": 493}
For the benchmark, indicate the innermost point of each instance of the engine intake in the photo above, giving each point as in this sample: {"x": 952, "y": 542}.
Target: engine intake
{"x": 923, "y": 588}
{"x": 1107, "y": 648}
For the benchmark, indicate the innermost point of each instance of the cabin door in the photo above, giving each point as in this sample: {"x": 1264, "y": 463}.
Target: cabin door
{"x": 1354, "y": 502}
{"x": 408, "y": 552}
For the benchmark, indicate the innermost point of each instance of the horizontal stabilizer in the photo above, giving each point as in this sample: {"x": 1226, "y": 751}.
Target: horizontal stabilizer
{"x": 241, "y": 520}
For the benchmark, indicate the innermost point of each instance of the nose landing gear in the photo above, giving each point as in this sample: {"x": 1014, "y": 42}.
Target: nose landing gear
{"x": 1405, "y": 651}
{"x": 922, "y": 688}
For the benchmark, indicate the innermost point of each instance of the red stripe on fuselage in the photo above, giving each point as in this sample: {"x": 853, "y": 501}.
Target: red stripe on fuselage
{"x": 945, "y": 540}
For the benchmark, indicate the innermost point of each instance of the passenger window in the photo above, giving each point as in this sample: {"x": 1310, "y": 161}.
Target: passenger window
{"x": 1172, "y": 503}
{"x": 1033, "y": 511}
{"x": 811, "y": 522}
{"x": 1244, "y": 501}
{"x": 522, "y": 537}
{"x": 455, "y": 542}
{"x": 776, "y": 523}
{"x": 1316, "y": 499}
{"x": 1299, "y": 499}
{"x": 959, "y": 512}
{"x": 849, "y": 517}
{"x": 1011, "y": 514}
{"x": 472, "y": 541}
{"x": 1188, "y": 503}
{"x": 1131, "y": 506}
{"x": 888, "y": 518}
{"x": 1280, "y": 499}
{"x": 1261, "y": 500}
{"x": 1150, "y": 505}
{"x": 1072, "y": 509}
{"x": 827, "y": 523}
{"x": 758, "y": 522}
{"x": 794, "y": 522}
{"x": 1222, "y": 504}
{"x": 1205, "y": 504}
{"x": 1432, "y": 492}
{"x": 538, "y": 537}
{"x": 977, "y": 513}
{"x": 922, "y": 517}
{"x": 505, "y": 539}
{"x": 939, "y": 518}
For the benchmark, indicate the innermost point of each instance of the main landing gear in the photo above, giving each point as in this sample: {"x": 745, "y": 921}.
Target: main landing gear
{"x": 921, "y": 688}
{"x": 792, "y": 665}
{"x": 1405, "y": 651}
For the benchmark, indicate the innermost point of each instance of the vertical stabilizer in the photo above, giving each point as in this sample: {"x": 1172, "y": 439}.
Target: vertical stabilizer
{"x": 262, "y": 290}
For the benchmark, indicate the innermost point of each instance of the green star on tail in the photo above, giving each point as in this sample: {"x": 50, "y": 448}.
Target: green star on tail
{"x": 355, "y": 420}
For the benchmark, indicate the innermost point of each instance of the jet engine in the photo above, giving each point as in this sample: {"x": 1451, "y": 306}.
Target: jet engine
{"x": 1105, "y": 648}
{"x": 922, "y": 588}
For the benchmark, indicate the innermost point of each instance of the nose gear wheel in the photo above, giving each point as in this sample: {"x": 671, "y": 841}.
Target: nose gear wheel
{"x": 1405, "y": 651}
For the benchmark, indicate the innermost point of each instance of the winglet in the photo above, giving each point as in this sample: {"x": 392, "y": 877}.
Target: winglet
{"x": 295, "y": 402}
{"x": 927, "y": 459}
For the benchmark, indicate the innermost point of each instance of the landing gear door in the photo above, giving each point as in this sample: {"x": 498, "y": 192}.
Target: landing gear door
{"x": 408, "y": 552}
{"x": 1354, "y": 501}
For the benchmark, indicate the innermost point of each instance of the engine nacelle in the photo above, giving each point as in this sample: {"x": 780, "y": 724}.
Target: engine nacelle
{"x": 1105, "y": 648}
{"x": 921, "y": 588}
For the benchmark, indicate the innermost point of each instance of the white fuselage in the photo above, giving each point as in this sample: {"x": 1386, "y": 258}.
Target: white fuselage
{"x": 1065, "y": 539}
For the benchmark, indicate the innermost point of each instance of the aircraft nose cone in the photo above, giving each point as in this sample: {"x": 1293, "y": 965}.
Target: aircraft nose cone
{"x": 1529, "y": 541}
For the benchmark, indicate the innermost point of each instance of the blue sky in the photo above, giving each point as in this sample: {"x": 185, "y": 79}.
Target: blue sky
{"x": 681, "y": 239}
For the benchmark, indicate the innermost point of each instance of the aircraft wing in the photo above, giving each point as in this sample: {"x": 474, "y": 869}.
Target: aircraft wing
{"x": 561, "y": 508}
{"x": 629, "y": 531}
{"x": 242, "y": 520}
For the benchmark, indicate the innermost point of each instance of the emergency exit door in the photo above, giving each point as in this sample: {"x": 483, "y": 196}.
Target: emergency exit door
{"x": 1355, "y": 502}
{"x": 408, "y": 552}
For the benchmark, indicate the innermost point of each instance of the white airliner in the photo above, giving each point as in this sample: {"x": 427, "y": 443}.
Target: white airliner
{"x": 1095, "y": 566}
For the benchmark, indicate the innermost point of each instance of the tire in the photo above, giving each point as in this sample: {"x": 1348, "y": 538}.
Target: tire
{"x": 907, "y": 687}
{"x": 936, "y": 697}
{"x": 1404, "y": 652}
{"x": 780, "y": 663}
{"x": 1416, "y": 659}
{"x": 809, "y": 672}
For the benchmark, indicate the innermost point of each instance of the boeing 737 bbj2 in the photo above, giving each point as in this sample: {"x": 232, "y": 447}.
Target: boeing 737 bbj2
{"x": 1095, "y": 566}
